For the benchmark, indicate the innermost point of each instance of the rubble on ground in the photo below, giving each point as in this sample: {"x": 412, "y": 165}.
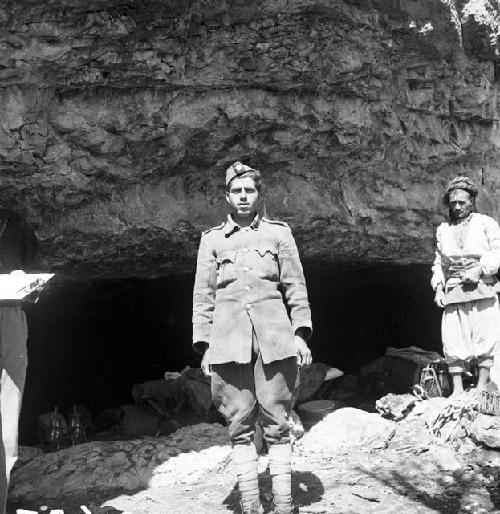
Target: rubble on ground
{"x": 454, "y": 418}
{"x": 350, "y": 460}
{"x": 433, "y": 437}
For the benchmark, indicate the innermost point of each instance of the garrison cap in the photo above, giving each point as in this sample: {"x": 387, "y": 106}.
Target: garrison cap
{"x": 461, "y": 182}
{"x": 236, "y": 169}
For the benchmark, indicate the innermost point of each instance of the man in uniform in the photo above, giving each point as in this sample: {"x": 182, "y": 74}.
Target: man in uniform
{"x": 251, "y": 321}
{"x": 464, "y": 279}
{"x": 18, "y": 245}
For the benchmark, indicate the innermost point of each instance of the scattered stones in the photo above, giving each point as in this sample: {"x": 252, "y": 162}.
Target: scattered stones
{"x": 450, "y": 419}
{"x": 395, "y": 406}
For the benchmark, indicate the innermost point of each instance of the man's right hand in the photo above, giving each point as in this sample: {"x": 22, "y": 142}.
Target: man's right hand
{"x": 440, "y": 298}
{"x": 205, "y": 363}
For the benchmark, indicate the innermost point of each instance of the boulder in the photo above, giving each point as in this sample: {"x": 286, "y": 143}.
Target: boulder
{"x": 104, "y": 466}
{"x": 486, "y": 430}
{"x": 348, "y": 428}
{"x": 26, "y": 454}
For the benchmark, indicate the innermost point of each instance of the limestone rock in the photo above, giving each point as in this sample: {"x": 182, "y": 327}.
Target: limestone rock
{"x": 26, "y": 454}
{"x": 182, "y": 457}
{"x": 395, "y": 406}
{"x": 486, "y": 429}
{"x": 119, "y": 118}
{"x": 348, "y": 428}
{"x": 444, "y": 458}
{"x": 412, "y": 436}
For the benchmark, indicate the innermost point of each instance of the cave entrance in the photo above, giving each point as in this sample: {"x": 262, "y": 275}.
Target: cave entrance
{"x": 90, "y": 343}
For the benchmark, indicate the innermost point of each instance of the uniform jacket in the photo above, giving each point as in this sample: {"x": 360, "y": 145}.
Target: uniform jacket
{"x": 249, "y": 280}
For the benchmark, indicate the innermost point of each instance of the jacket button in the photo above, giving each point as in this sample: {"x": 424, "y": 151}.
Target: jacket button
{"x": 248, "y": 306}
{"x": 247, "y": 288}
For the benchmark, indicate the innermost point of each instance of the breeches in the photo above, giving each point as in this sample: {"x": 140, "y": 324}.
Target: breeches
{"x": 13, "y": 364}
{"x": 471, "y": 329}
{"x": 246, "y": 392}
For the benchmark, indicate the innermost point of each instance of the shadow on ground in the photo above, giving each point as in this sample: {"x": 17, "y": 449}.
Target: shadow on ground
{"x": 437, "y": 488}
{"x": 307, "y": 489}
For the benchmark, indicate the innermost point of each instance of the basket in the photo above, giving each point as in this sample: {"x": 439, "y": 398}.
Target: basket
{"x": 489, "y": 403}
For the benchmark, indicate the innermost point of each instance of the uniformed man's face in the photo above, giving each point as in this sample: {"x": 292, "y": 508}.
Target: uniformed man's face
{"x": 242, "y": 196}
{"x": 460, "y": 204}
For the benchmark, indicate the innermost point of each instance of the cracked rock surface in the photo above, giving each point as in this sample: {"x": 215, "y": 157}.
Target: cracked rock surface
{"x": 181, "y": 458}
{"x": 119, "y": 118}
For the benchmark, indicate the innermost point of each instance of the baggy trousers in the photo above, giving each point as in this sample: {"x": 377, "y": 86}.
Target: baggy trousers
{"x": 13, "y": 364}
{"x": 244, "y": 392}
{"x": 471, "y": 329}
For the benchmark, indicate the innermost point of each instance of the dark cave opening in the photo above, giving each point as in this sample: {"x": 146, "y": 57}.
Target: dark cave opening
{"x": 90, "y": 342}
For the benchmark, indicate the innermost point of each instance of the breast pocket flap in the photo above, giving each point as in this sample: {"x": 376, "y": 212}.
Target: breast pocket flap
{"x": 267, "y": 250}
{"x": 226, "y": 256}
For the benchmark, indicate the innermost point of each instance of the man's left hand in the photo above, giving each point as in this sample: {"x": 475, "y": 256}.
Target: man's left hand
{"x": 304, "y": 356}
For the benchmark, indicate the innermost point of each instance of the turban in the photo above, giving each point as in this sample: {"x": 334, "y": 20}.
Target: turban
{"x": 464, "y": 183}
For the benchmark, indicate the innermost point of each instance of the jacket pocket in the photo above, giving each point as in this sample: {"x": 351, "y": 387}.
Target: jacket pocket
{"x": 225, "y": 267}
{"x": 267, "y": 262}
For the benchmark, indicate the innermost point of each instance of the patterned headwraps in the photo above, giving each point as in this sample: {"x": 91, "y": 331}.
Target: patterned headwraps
{"x": 464, "y": 183}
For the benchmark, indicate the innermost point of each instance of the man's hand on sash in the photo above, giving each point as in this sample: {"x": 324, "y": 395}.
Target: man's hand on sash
{"x": 440, "y": 297}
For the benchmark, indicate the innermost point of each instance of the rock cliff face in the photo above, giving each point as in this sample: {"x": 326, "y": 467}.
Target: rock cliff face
{"x": 119, "y": 118}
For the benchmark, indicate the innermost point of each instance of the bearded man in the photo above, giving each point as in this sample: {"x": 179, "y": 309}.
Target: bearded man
{"x": 464, "y": 279}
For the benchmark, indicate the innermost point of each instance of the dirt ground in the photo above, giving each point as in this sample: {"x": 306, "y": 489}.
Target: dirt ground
{"x": 390, "y": 481}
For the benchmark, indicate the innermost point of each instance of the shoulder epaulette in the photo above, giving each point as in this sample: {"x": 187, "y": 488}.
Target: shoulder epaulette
{"x": 275, "y": 222}
{"x": 218, "y": 227}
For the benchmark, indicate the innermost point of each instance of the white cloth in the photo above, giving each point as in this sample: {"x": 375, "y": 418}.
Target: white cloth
{"x": 471, "y": 329}
{"x": 13, "y": 363}
{"x": 482, "y": 240}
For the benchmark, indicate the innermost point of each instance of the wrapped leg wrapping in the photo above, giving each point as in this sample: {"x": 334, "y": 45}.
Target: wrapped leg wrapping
{"x": 280, "y": 466}
{"x": 244, "y": 458}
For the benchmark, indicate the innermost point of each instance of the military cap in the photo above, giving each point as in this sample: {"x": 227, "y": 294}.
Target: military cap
{"x": 461, "y": 182}
{"x": 236, "y": 169}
